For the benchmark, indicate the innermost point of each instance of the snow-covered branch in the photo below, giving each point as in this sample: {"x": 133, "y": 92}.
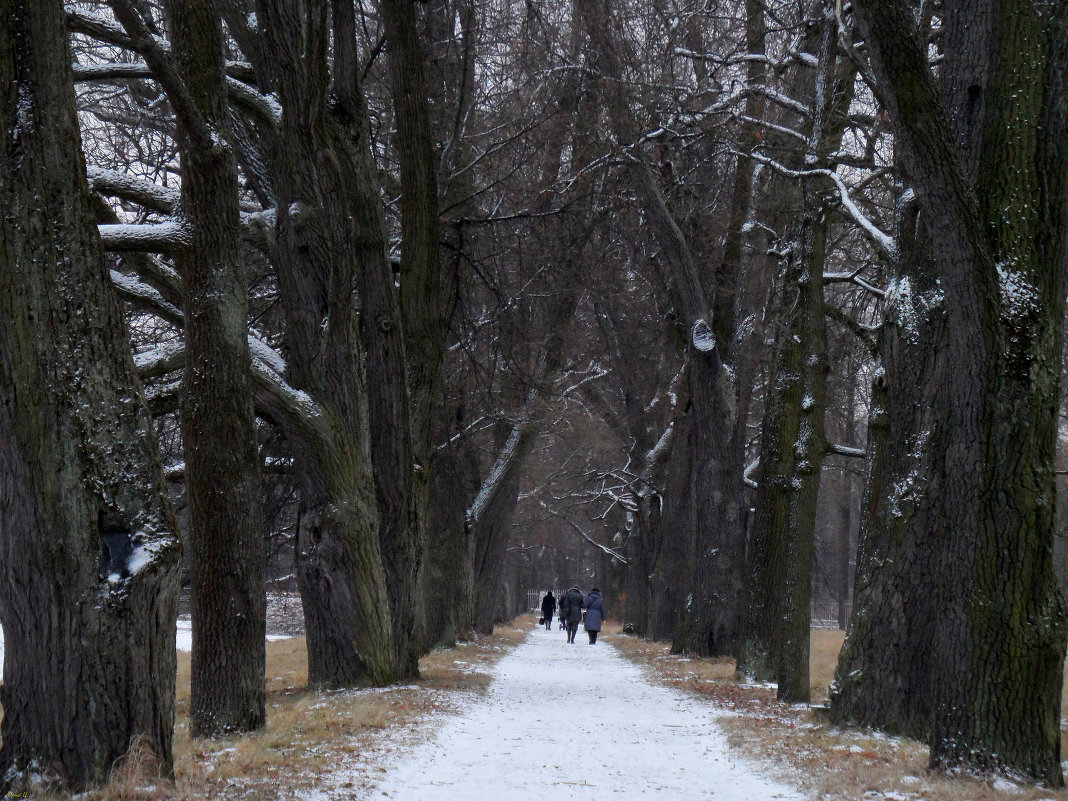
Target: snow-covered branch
{"x": 145, "y": 297}
{"x": 846, "y": 450}
{"x": 600, "y": 373}
{"x": 883, "y": 240}
{"x": 146, "y": 238}
{"x": 163, "y": 199}
{"x": 505, "y": 458}
{"x": 747, "y": 474}
{"x": 855, "y": 277}
{"x": 163, "y": 399}
{"x": 293, "y": 409}
{"x": 258, "y": 227}
{"x": 579, "y": 530}
{"x": 265, "y": 108}
{"x": 659, "y": 451}
{"x": 160, "y": 360}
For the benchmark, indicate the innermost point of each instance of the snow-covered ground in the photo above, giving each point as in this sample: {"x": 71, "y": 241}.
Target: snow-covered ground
{"x": 183, "y": 639}
{"x": 580, "y": 722}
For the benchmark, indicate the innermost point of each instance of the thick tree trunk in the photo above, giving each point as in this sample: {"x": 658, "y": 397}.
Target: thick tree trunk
{"x": 491, "y": 529}
{"x": 449, "y": 571}
{"x": 987, "y": 157}
{"x": 332, "y": 241}
{"x": 708, "y": 625}
{"x": 775, "y": 644}
{"x": 88, "y": 542}
{"x": 884, "y": 671}
{"x": 218, "y": 421}
{"x": 420, "y": 313}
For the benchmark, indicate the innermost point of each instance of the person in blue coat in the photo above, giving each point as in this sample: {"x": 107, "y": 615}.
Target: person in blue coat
{"x": 594, "y": 614}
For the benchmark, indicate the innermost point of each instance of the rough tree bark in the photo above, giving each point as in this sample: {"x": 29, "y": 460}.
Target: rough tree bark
{"x": 888, "y": 687}
{"x": 217, "y": 415}
{"x": 331, "y": 234}
{"x": 420, "y": 312}
{"x": 987, "y": 158}
{"x": 88, "y": 543}
{"x": 775, "y": 643}
{"x": 448, "y": 575}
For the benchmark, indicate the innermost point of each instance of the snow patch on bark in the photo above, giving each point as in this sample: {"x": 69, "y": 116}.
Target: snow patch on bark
{"x": 703, "y": 338}
{"x": 1019, "y": 297}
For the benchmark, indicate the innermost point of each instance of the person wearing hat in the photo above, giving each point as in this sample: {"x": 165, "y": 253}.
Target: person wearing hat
{"x": 594, "y": 614}
{"x": 548, "y": 609}
{"x": 571, "y": 611}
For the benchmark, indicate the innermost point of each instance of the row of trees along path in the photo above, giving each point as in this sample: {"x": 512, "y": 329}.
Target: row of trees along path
{"x": 417, "y": 302}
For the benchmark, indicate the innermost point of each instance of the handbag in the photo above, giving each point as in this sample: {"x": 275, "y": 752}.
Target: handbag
{"x": 541, "y": 621}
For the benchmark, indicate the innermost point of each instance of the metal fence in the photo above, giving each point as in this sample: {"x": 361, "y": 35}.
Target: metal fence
{"x": 534, "y": 599}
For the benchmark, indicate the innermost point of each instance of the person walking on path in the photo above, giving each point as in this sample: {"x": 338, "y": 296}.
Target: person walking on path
{"x": 594, "y": 614}
{"x": 548, "y": 609}
{"x": 571, "y": 611}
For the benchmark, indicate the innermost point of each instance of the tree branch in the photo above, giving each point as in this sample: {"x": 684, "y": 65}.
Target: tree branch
{"x": 157, "y": 56}
{"x": 862, "y": 333}
{"x": 886, "y": 243}
{"x": 145, "y": 238}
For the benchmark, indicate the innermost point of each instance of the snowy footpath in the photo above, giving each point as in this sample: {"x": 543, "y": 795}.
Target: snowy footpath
{"x": 579, "y": 722}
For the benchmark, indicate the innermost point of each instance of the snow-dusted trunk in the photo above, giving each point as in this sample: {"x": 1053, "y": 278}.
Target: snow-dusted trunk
{"x": 987, "y": 157}
{"x": 884, "y": 670}
{"x": 88, "y": 543}
{"x": 491, "y": 523}
{"x": 775, "y": 642}
{"x": 708, "y": 624}
{"x": 217, "y": 416}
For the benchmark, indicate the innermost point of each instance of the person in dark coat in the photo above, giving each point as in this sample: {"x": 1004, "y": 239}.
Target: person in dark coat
{"x": 594, "y": 604}
{"x": 548, "y": 609}
{"x": 571, "y": 611}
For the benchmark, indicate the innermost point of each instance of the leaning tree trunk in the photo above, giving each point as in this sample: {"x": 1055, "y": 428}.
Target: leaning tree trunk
{"x": 218, "y": 420}
{"x": 987, "y": 156}
{"x": 492, "y": 525}
{"x": 88, "y": 542}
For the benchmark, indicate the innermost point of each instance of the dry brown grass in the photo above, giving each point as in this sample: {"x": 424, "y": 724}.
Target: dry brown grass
{"x": 831, "y": 763}
{"x": 313, "y": 740}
